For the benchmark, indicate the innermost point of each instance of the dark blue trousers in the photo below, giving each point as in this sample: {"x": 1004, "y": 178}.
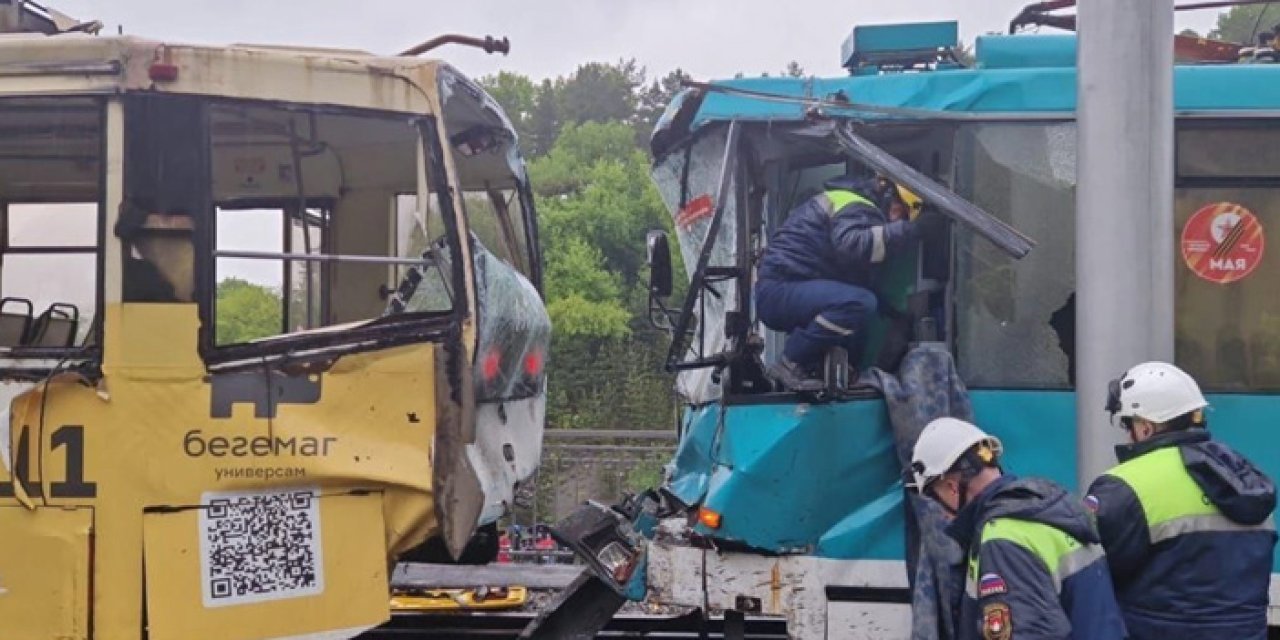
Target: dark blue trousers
{"x": 818, "y": 314}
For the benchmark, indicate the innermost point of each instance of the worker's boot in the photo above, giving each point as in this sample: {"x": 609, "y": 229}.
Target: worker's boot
{"x": 794, "y": 377}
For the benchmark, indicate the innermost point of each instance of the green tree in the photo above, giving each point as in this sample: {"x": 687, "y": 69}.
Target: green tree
{"x": 246, "y": 311}
{"x": 544, "y": 123}
{"x": 583, "y": 299}
{"x": 565, "y": 170}
{"x": 793, "y": 70}
{"x": 519, "y": 98}
{"x": 602, "y": 195}
{"x": 1241, "y": 24}
{"x": 598, "y": 92}
{"x": 653, "y": 101}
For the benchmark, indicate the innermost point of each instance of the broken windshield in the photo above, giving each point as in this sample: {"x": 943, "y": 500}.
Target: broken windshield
{"x": 513, "y": 329}
{"x": 1015, "y": 319}
{"x": 688, "y": 182}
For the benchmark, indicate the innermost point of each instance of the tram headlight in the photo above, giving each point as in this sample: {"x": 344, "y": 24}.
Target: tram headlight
{"x": 618, "y": 560}
{"x": 604, "y": 539}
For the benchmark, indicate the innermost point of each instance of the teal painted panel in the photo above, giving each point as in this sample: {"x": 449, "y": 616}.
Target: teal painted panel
{"x": 825, "y": 477}
{"x": 1025, "y": 52}
{"x": 1018, "y": 74}
{"x": 868, "y": 41}
{"x": 782, "y": 475}
{"x": 1038, "y": 429}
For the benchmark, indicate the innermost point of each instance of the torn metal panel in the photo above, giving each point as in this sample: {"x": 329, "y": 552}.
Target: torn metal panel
{"x": 944, "y": 200}
{"x": 768, "y": 469}
{"x": 794, "y": 587}
{"x": 8, "y": 392}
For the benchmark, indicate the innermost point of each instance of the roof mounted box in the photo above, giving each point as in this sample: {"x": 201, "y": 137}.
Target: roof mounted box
{"x": 898, "y": 44}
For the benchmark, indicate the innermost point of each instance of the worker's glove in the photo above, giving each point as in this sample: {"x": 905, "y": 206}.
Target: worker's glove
{"x": 929, "y": 224}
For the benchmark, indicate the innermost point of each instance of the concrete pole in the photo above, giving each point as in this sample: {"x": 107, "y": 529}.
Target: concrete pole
{"x": 1124, "y": 208}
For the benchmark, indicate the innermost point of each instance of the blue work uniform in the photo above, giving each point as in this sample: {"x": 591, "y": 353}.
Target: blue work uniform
{"x": 1036, "y": 568}
{"x": 1187, "y": 525}
{"x": 816, "y": 273}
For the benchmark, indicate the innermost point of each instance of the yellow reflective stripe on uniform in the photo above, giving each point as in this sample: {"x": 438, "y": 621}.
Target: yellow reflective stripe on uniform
{"x": 838, "y": 199}
{"x": 1062, "y": 555}
{"x": 1164, "y": 488}
{"x": 1204, "y": 523}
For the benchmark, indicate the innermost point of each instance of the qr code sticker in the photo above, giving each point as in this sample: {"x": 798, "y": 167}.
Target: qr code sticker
{"x": 260, "y": 546}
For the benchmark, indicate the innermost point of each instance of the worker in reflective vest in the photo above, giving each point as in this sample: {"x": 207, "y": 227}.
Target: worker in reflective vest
{"x": 1035, "y": 566}
{"x": 816, "y": 272}
{"x": 1186, "y": 521}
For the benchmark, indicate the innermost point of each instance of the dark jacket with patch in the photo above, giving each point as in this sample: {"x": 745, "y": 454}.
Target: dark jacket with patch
{"x": 846, "y": 242}
{"x": 1036, "y": 570}
{"x": 1187, "y": 524}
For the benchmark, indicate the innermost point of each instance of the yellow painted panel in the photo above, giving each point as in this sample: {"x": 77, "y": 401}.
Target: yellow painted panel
{"x": 153, "y": 335}
{"x": 263, "y": 565}
{"x": 44, "y": 572}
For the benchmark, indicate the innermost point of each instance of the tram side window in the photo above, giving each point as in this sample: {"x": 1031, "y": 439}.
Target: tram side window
{"x": 50, "y": 211}
{"x": 250, "y": 290}
{"x": 1226, "y": 203}
{"x": 1014, "y": 319}
{"x": 306, "y": 217}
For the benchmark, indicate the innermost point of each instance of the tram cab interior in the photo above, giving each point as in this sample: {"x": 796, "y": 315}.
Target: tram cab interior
{"x": 913, "y": 285}
{"x": 777, "y": 166}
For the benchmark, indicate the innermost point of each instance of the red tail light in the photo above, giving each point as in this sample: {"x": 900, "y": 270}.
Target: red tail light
{"x": 491, "y": 364}
{"x": 533, "y": 362}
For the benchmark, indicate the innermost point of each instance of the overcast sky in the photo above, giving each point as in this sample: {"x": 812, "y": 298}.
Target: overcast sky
{"x": 707, "y": 38}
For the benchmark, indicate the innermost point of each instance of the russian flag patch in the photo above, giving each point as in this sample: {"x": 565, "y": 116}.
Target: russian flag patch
{"x": 991, "y": 584}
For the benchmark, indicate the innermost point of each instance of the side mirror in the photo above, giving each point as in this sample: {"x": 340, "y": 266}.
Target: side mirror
{"x": 659, "y": 264}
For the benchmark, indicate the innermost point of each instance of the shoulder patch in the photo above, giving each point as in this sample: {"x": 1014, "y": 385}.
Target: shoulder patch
{"x": 991, "y": 584}
{"x": 997, "y": 622}
{"x": 1091, "y": 503}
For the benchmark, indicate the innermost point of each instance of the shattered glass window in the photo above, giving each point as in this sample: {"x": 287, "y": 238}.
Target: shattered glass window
{"x": 688, "y": 193}
{"x": 1015, "y": 319}
{"x": 496, "y": 217}
{"x": 515, "y": 331}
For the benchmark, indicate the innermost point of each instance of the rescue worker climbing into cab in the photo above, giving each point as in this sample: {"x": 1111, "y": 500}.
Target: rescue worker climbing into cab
{"x": 1186, "y": 521}
{"x": 1035, "y": 568}
{"x": 817, "y": 274}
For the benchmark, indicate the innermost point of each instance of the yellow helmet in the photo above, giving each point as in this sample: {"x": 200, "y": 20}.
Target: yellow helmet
{"x": 912, "y": 201}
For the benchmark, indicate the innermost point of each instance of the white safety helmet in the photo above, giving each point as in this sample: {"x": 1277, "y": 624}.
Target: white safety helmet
{"x": 941, "y": 445}
{"x": 1154, "y": 391}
